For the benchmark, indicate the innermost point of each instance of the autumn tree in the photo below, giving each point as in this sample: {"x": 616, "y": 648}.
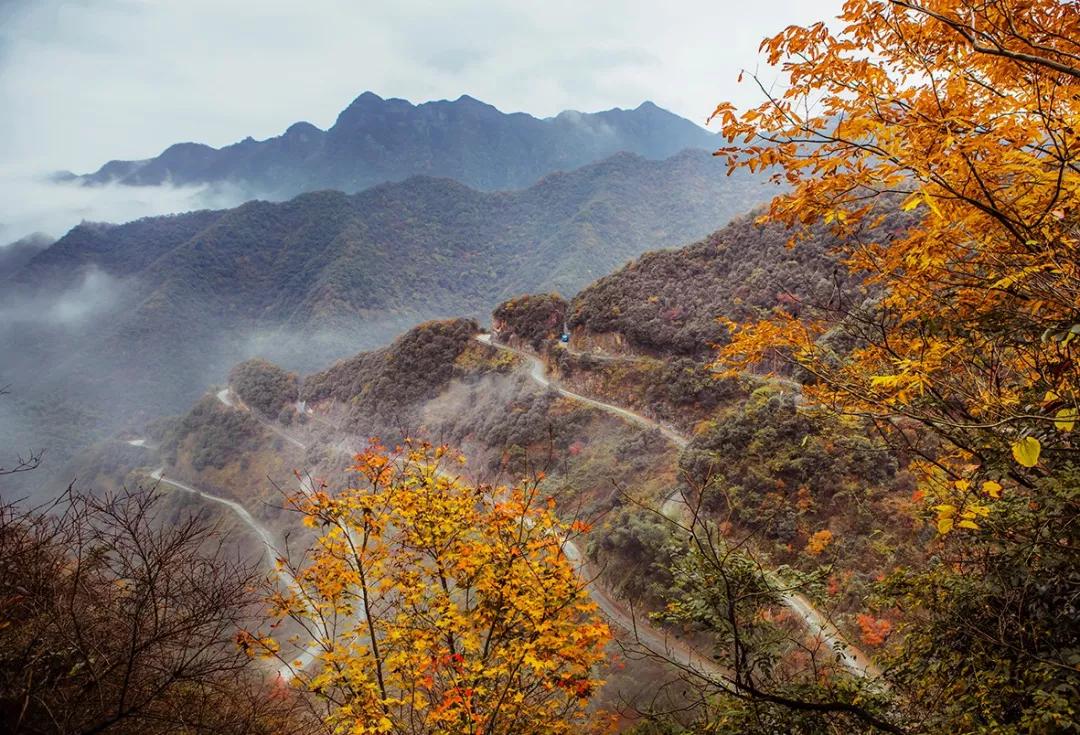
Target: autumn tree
{"x": 766, "y": 658}
{"x": 438, "y": 606}
{"x": 961, "y": 351}
{"x": 116, "y": 617}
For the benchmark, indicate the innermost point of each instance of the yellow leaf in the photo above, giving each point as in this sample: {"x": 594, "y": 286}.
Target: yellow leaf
{"x": 944, "y": 525}
{"x": 992, "y": 489}
{"x": 968, "y": 524}
{"x": 930, "y": 203}
{"x": 1026, "y": 451}
{"x": 1065, "y": 419}
{"x": 911, "y": 203}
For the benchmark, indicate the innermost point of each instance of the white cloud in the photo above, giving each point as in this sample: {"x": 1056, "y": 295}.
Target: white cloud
{"x": 34, "y": 204}
{"x": 94, "y": 293}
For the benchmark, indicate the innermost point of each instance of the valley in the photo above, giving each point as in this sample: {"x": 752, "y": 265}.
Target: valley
{"x": 637, "y": 631}
{"x": 162, "y": 306}
{"x": 750, "y": 410}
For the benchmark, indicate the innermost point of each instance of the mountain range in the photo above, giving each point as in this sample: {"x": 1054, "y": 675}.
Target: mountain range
{"x": 120, "y": 322}
{"x": 375, "y": 140}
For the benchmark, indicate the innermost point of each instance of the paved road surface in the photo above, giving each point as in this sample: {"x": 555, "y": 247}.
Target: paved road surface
{"x": 309, "y": 654}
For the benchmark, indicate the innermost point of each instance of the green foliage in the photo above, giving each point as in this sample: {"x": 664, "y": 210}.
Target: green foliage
{"x": 515, "y": 419}
{"x": 635, "y": 550}
{"x": 264, "y": 386}
{"x": 387, "y": 384}
{"x": 782, "y": 472}
{"x": 678, "y": 391}
{"x": 992, "y": 641}
{"x": 722, "y": 590}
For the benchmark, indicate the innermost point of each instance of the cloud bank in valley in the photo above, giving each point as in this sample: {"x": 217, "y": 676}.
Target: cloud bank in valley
{"x": 94, "y": 293}
{"x": 33, "y": 203}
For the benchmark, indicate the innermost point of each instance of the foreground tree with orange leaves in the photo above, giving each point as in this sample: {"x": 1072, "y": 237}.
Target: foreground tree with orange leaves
{"x": 436, "y": 606}
{"x": 965, "y": 115}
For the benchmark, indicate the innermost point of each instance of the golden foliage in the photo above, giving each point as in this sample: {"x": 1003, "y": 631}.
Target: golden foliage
{"x": 965, "y": 115}
{"x": 818, "y": 542}
{"x": 444, "y": 607}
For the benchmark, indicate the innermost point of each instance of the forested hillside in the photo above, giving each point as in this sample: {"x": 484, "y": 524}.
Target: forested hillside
{"x": 161, "y": 306}
{"x": 668, "y": 302}
{"x": 817, "y": 472}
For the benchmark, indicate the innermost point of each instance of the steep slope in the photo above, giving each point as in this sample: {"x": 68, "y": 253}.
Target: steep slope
{"x": 443, "y": 381}
{"x": 14, "y": 256}
{"x": 802, "y": 487}
{"x": 625, "y": 419}
{"x": 667, "y": 302}
{"x": 376, "y": 140}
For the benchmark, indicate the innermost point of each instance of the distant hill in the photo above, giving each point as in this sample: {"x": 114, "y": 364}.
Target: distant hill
{"x": 376, "y": 140}
{"x": 156, "y": 309}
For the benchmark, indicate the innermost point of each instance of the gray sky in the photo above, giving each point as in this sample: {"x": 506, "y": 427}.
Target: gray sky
{"x": 85, "y": 81}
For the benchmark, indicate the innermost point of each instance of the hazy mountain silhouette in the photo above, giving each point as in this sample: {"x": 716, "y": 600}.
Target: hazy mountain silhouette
{"x": 375, "y": 140}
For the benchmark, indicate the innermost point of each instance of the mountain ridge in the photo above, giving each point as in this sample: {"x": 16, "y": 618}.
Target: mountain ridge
{"x": 179, "y": 299}
{"x": 374, "y": 140}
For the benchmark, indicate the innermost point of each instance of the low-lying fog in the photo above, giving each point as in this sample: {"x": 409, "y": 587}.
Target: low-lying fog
{"x": 33, "y": 203}
{"x": 72, "y": 381}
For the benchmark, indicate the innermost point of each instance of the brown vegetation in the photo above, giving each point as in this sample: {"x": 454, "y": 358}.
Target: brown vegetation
{"x": 112, "y": 622}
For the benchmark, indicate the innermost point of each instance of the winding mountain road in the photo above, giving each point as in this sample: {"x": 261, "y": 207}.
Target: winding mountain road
{"x": 538, "y": 373}
{"x": 225, "y": 396}
{"x": 286, "y": 670}
{"x": 616, "y": 611}
{"x": 646, "y": 635}
{"x": 675, "y": 507}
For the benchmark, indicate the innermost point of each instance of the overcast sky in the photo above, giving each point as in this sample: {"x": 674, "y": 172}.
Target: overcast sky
{"x": 85, "y": 81}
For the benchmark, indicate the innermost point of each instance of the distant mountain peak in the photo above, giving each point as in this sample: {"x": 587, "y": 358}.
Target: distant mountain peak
{"x": 466, "y": 100}
{"x": 376, "y": 139}
{"x": 366, "y": 98}
{"x": 301, "y": 128}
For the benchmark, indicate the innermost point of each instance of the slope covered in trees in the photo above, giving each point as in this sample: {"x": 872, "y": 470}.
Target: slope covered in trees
{"x": 914, "y": 492}
{"x": 964, "y": 114}
{"x": 667, "y": 302}
{"x": 140, "y": 317}
{"x": 264, "y": 386}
